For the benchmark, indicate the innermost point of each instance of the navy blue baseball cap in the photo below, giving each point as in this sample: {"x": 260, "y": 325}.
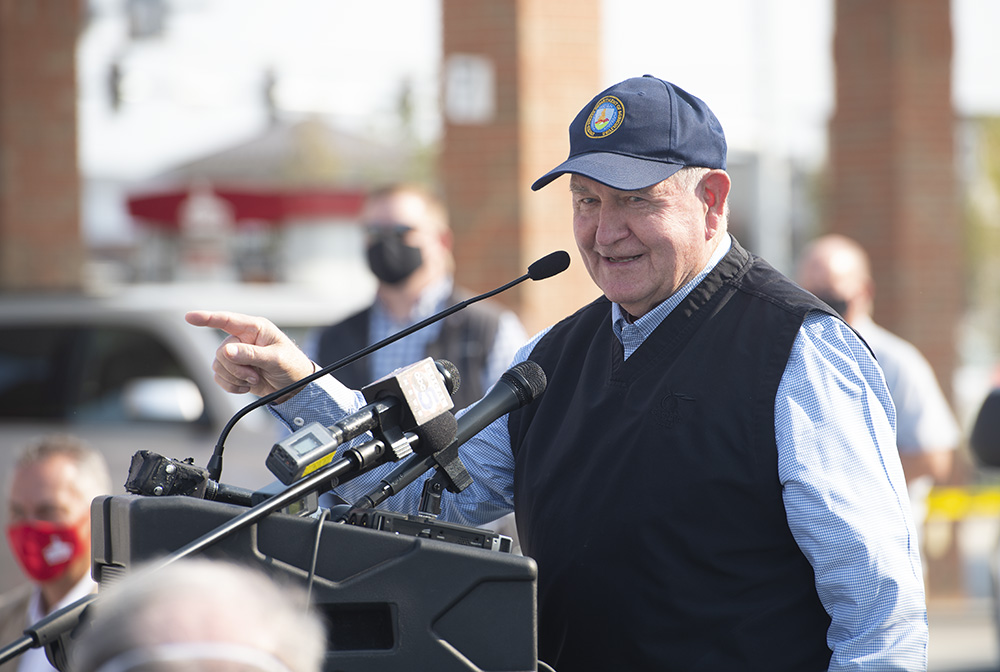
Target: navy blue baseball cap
{"x": 638, "y": 133}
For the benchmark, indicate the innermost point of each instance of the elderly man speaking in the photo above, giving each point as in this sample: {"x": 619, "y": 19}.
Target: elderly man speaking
{"x": 710, "y": 480}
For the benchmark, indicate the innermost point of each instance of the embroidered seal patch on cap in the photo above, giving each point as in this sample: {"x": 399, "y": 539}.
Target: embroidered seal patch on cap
{"x": 608, "y": 115}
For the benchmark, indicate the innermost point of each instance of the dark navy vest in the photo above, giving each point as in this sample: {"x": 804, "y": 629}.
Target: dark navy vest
{"x": 647, "y": 490}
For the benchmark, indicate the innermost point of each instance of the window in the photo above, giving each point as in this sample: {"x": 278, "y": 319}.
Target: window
{"x": 77, "y": 373}
{"x": 34, "y": 362}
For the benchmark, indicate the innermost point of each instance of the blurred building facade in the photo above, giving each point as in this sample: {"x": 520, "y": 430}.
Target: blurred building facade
{"x": 512, "y": 74}
{"x": 40, "y": 243}
{"x": 280, "y": 207}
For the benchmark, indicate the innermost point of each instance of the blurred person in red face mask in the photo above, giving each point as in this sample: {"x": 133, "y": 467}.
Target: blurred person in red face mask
{"x": 48, "y": 532}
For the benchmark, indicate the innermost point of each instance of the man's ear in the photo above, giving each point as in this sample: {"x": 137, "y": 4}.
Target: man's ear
{"x": 715, "y": 186}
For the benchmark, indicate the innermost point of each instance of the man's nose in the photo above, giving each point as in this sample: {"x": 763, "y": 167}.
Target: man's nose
{"x": 612, "y": 225}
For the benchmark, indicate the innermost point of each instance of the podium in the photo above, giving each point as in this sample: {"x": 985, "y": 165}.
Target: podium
{"x": 391, "y": 602}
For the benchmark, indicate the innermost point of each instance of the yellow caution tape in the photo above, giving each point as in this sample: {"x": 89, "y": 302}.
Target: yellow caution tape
{"x": 957, "y": 503}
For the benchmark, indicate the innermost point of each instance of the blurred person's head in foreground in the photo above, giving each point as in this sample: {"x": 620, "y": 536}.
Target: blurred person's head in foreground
{"x": 198, "y": 615}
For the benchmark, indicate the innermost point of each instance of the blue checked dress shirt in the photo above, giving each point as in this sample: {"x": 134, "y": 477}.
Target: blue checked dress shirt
{"x": 843, "y": 486}
{"x": 509, "y": 337}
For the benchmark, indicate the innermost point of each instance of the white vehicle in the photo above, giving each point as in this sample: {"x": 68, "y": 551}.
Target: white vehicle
{"x": 124, "y": 371}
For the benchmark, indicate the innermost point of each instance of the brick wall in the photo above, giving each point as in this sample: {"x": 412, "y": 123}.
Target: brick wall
{"x": 546, "y": 60}
{"x": 40, "y": 239}
{"x": 893, "y": 174}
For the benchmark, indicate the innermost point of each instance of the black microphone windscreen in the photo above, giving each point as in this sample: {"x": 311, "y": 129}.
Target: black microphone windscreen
{"x": 549, "y": 265}
{"x": 452, "y": 378}
{"x": 435, "y": 434}
{"x": 528, "y": 379}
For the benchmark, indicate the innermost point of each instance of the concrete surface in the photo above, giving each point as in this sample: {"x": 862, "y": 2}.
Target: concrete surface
{"x": 963, "y": 636}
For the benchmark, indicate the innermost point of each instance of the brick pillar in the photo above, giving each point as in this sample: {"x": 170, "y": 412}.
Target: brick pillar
{"x": 541, "y": 60}
{"x": 894, "y": 183}
{"x": 40, "y": 240}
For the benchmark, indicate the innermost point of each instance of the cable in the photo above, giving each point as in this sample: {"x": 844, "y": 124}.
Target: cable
{"x": 312, "y": 567}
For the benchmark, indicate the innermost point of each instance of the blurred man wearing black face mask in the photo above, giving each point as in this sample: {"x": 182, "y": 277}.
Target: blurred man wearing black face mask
{"x": 409, "y": 251}
{"x": 389, "y": 257}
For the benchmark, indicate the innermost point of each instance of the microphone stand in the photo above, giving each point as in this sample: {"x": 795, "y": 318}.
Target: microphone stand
{"x": 449, "y": 474}
{"x": 547, "y": 266}
{"x": 49, "y": 630}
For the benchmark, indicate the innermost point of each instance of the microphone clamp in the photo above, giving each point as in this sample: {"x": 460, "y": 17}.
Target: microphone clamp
{"x": 152, "y": 474}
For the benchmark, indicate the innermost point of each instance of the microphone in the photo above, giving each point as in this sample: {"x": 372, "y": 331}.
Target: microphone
{"x": 408, "y": 397}
{"x": 433, "y": 436}
{"x": 153, "y": 474}
{"x": 549, "y": 265}
{"x": 517, "y": 387}
{"x": 450, "y": 375}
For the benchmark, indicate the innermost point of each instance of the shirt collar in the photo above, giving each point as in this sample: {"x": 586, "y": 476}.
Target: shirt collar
{"x": 648, "y": 322}
{"x": 83, "y": 587}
